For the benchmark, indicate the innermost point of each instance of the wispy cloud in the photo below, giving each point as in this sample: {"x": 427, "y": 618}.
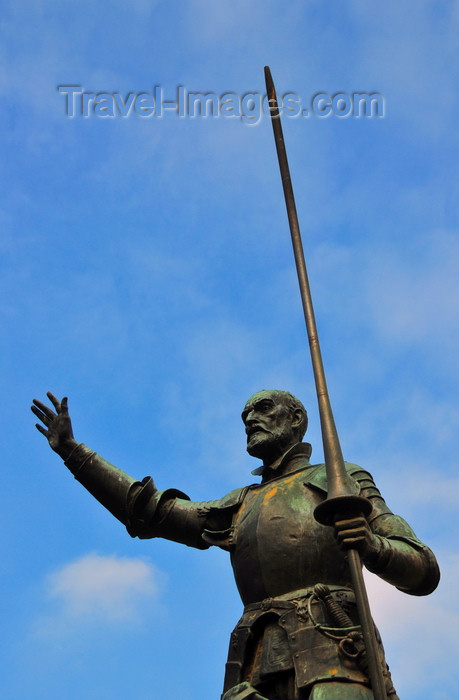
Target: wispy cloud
{"x": 101, "y": 589}
{"x": 416, "y": 297}
{"x": 400, "y": 45}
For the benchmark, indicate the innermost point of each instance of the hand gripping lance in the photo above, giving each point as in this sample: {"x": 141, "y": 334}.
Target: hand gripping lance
{"x": 341, "y": 499}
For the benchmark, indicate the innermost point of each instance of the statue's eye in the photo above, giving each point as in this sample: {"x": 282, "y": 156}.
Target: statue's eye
{"x": 264, "y": 407}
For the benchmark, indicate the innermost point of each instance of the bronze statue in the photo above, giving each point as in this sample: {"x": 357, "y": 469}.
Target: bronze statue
{"x": 298, "y": 637}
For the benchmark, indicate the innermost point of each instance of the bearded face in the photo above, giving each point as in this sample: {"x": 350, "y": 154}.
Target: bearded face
{"x": 270, "y": 426}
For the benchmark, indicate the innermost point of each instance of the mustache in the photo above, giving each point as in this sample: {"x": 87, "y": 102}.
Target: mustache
{"x": 256, "y": 429}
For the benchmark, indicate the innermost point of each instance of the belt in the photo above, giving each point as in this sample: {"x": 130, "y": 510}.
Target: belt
{"x": 286, "y": 599}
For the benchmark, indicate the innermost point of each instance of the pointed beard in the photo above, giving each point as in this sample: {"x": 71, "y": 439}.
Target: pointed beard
{"x": 270, "y": 446}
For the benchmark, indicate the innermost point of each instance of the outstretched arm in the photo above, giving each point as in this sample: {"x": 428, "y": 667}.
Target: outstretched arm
{"x": 111, "y": 486}
{"x": 138, "y": 505}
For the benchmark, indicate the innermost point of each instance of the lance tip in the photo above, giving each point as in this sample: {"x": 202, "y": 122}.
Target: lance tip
{"x": 271, "y": 92}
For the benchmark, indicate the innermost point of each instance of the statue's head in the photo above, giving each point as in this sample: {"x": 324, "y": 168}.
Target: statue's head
{"x": 274, "y": 421}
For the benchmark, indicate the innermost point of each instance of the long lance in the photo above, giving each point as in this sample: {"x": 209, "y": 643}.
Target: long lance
{"x": 342, "y": 500}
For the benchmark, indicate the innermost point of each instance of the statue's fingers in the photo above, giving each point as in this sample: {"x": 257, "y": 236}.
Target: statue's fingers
{"x": 65, "y": 405}
{"x": 352, "y": 543}
{"x": 41, "y": 415}
{"x": 41, "y": 429}
{"x": 347, "y": 536}
{"x": 56, "y": 403}
{"x": 44, "y": 409}
{"x": 350, "y": 523}
{"x": 344, "y": 530}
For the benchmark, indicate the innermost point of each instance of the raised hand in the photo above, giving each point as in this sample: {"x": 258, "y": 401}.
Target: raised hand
{"x": 58, "y": 426}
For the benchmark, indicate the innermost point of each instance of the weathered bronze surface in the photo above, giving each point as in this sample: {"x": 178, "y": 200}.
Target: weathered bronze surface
{"x": 298, "y": 637}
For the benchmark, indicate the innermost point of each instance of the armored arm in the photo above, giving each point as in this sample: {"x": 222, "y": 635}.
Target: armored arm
{"x": 137, "y": 504}
{"x": 400, "y": 558}
{"x": 134, "y": 503}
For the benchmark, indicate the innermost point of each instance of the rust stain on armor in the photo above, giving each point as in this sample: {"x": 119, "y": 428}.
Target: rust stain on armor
{"x": 269, "y": 494}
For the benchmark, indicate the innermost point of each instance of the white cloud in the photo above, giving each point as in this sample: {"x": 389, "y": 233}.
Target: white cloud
{"x": 103, "y": 588}
{"x": 420, "y": 634}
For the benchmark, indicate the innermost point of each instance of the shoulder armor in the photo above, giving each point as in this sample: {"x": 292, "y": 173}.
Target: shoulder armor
{"x": 228, "y": 502}
{"x": 317, "y": 477}
{"x": 218, "y": 515}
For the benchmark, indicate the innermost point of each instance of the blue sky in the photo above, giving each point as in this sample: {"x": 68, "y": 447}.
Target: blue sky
{"x": 147, "y": 274}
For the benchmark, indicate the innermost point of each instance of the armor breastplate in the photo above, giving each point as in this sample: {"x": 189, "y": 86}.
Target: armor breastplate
{"x": 277, "y": 546}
